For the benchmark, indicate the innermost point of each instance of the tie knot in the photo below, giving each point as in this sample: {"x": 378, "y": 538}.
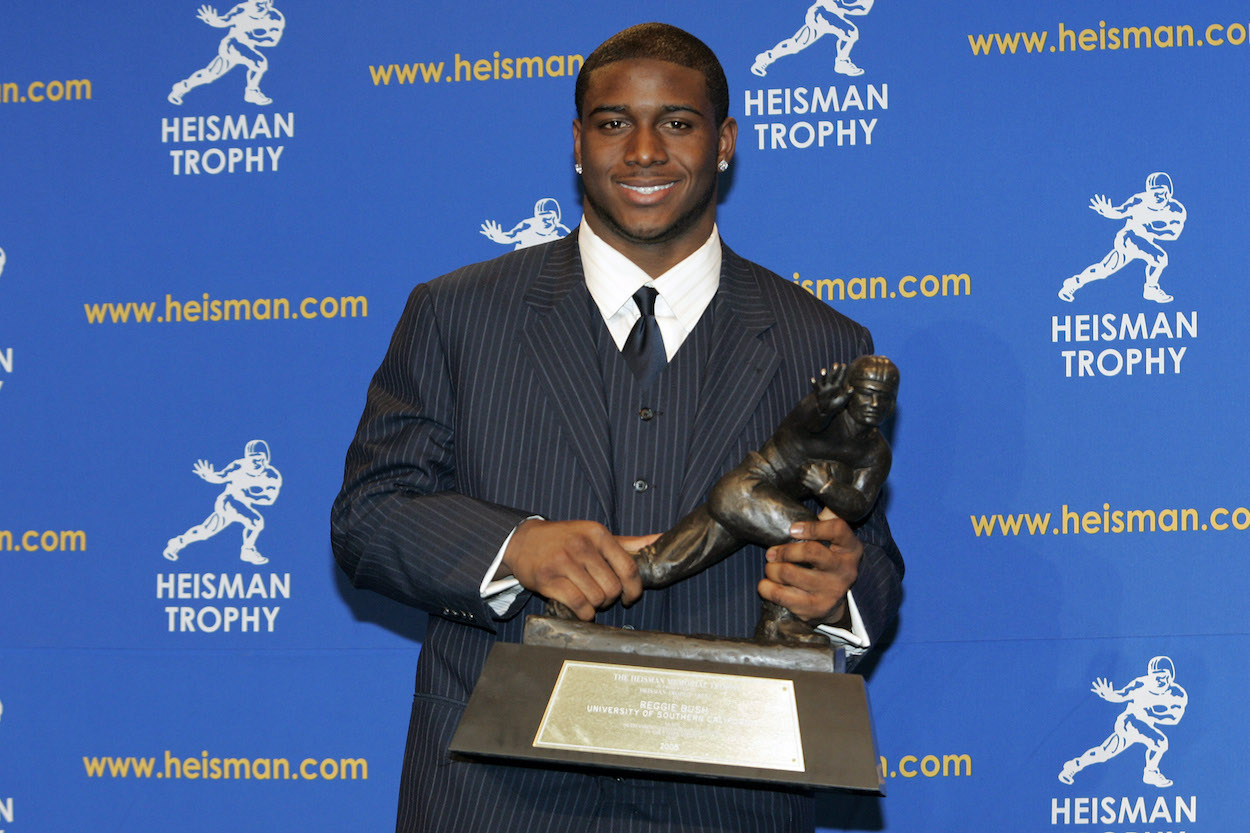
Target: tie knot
{"x": 645, "y": 299}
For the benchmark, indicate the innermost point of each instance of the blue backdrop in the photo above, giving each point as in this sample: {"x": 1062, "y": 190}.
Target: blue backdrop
{"x": 178, "y": 280}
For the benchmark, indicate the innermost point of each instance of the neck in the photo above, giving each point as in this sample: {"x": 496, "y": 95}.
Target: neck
{"x": 655, "y": 257}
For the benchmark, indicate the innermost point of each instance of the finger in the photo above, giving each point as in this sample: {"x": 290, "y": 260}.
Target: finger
{"x": 826, "y": 527}
{"x": 611, "y": 571}
{"x": 832, "y": 577}
{"x": 814, "y": 553}
{"x": 567, "y": 593}
{"x": 809, "y": 607}
{"x": 624, "y": 567}
{"x": 633, "y": 543}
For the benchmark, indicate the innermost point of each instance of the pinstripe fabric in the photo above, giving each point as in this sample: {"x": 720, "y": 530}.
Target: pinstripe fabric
{"x": 495, "y": 401}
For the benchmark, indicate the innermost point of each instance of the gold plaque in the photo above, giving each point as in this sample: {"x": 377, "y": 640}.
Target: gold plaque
{"x": 692, "y": 716}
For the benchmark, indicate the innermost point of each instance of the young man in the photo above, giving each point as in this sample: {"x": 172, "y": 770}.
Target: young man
{"x": 508, "y": 441}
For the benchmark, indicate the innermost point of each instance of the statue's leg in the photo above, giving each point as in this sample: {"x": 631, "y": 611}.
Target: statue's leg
{"x": 695, "y": 543}
{"x": 749, "y": 503}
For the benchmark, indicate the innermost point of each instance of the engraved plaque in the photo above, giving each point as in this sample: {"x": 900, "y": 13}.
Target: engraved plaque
{"x": 539, "y": 705}
{"x": 675, "y": 715}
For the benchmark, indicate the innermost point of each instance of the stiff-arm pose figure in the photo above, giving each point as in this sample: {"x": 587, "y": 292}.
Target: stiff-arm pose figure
{"x": 1153, "y": 700}
{"x": 827, "y": 448}
{"x": 1150, "y": 217}
{"x": 252, "y": 24}
{"x": 250, "y": 482}
{"x": 543, "y": 227}
{"x": 824, "y": 17}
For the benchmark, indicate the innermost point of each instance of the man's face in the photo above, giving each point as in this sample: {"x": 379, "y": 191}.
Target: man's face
{"x": 1161, "y": 194}
{"x": 871, "y": 400}
{"x": 649, "y": 146}
{"x": 257, "y": 460}
{"x": 1162, "y": 678}
{"x": 547, "y": 220}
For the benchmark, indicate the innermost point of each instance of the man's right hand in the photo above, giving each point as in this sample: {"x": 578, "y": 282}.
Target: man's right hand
{"x": 578, "y": 563}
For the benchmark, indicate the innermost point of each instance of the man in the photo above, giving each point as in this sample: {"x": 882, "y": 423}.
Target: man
{"x": 1149, "y": 217}
{"x": 507, "y": 442}
{"x": 253, "y": 24}
{"x": 824, "y": 17}
{"x": 1153, "y": 701}
{"x": 250, "y": 482}
{"x": 543, "y": 227}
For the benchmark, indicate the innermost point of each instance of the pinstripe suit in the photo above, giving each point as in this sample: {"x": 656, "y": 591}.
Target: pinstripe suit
{"x": 491, "y": 406}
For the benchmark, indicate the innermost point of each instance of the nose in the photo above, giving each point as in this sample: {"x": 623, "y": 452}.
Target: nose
{"x": 646, "y": 148}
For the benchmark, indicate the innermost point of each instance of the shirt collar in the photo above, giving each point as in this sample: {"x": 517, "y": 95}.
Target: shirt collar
{"x": 612, "y": 278}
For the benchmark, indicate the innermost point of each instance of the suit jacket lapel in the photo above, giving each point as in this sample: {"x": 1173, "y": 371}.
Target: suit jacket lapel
{"x": 740, "y": 368}
{"x": 559, "y": 342}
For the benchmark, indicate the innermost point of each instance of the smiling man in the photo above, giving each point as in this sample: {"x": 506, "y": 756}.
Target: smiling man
{"x": 539, "y": 416}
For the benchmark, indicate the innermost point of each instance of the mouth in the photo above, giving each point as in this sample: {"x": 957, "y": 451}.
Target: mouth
{"x": 647, "y": 190}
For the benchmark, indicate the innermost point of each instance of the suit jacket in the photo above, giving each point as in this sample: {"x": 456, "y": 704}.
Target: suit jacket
{"x": 484, "y": 412}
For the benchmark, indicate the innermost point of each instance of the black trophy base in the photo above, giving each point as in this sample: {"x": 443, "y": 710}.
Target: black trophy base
{"x": 625, "y": 709}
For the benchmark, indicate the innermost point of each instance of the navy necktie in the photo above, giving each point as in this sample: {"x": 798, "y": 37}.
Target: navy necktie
{"x": 644, "y": 346}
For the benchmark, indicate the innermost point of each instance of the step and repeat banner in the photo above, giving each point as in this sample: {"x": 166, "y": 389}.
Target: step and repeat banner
{"x": 211, "y": 216}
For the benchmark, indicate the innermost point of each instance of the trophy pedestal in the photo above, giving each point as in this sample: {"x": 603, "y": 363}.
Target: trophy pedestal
{"x": 645, "y": 702}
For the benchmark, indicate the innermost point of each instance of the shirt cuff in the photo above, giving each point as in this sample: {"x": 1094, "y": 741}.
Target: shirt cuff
{"x": 499, "y": 594}
{"x": 855, "y": 641}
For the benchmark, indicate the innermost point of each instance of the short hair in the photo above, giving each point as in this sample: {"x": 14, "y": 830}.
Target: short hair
{"x": 874, "y": 367}
{"x": 660, "y": 42}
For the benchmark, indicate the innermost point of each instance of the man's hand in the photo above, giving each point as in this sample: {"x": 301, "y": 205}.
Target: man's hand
{"x": 1103, "y": 206}
{"x": 209, "y": 15}
{"x": 831, "y": 389}
{"x": 577, "y": 563}
{"x": 811, "y": 576}
{"x": 495, "y": 232}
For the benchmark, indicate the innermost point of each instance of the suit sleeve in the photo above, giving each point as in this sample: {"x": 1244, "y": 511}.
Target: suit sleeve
{"x": 399, "y": 526}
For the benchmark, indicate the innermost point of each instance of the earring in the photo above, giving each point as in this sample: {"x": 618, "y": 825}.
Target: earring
{"x": 577, "y": 167}
{"x": 722, "y": 166}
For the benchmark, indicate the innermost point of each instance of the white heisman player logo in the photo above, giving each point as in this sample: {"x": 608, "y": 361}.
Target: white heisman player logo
{"x": 824, "y": 17}
{"x": 250, "y": 482}
{"x": 1149, "y": 217}
{"x": 543, "y": 227}
{"x": 253, "y": 24}
{"x": 1153, "y": 701}
{"x": 1, "y": 261}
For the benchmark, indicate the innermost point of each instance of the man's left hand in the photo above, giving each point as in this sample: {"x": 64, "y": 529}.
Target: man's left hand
{"x": 811, "y": 575}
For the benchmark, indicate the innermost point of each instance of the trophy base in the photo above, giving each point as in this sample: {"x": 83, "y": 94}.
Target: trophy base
{"x": 655, "y": 703}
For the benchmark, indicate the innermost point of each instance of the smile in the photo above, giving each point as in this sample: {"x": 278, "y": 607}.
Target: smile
{"x": 648, "y": 189}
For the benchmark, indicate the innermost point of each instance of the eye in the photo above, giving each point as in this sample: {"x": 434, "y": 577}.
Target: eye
{"x": 613, "y": 124}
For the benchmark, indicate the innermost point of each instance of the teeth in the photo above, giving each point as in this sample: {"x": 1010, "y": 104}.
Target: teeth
{"x": 649, "y": 189}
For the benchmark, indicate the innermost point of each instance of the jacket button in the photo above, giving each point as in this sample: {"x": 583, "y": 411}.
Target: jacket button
{"x": 641, "y": 485}
{"x": 646, "y": 414}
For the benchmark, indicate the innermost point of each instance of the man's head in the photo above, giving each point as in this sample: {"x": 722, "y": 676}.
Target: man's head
{"x": 257, "y": 453}
{"x": 874, "y": 387}
{"x": 1163, "y": 671}
{"x": 649, "y": 141}
{"x": 660, "y": 42}
{"x": 1159, "y": 185}
{"x": 548, "y": 211}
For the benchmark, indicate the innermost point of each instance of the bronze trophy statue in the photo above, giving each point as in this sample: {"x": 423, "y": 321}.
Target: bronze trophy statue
{"x": 766, "y": 709}
{"x": 828, "y": 448}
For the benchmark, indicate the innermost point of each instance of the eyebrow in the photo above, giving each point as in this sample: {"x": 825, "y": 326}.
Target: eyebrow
{"x": 667, "y": 108}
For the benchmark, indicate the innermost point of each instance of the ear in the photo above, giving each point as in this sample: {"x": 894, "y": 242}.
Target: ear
{"x": 727, "y": 140}
{"x": 577, "y": 141}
